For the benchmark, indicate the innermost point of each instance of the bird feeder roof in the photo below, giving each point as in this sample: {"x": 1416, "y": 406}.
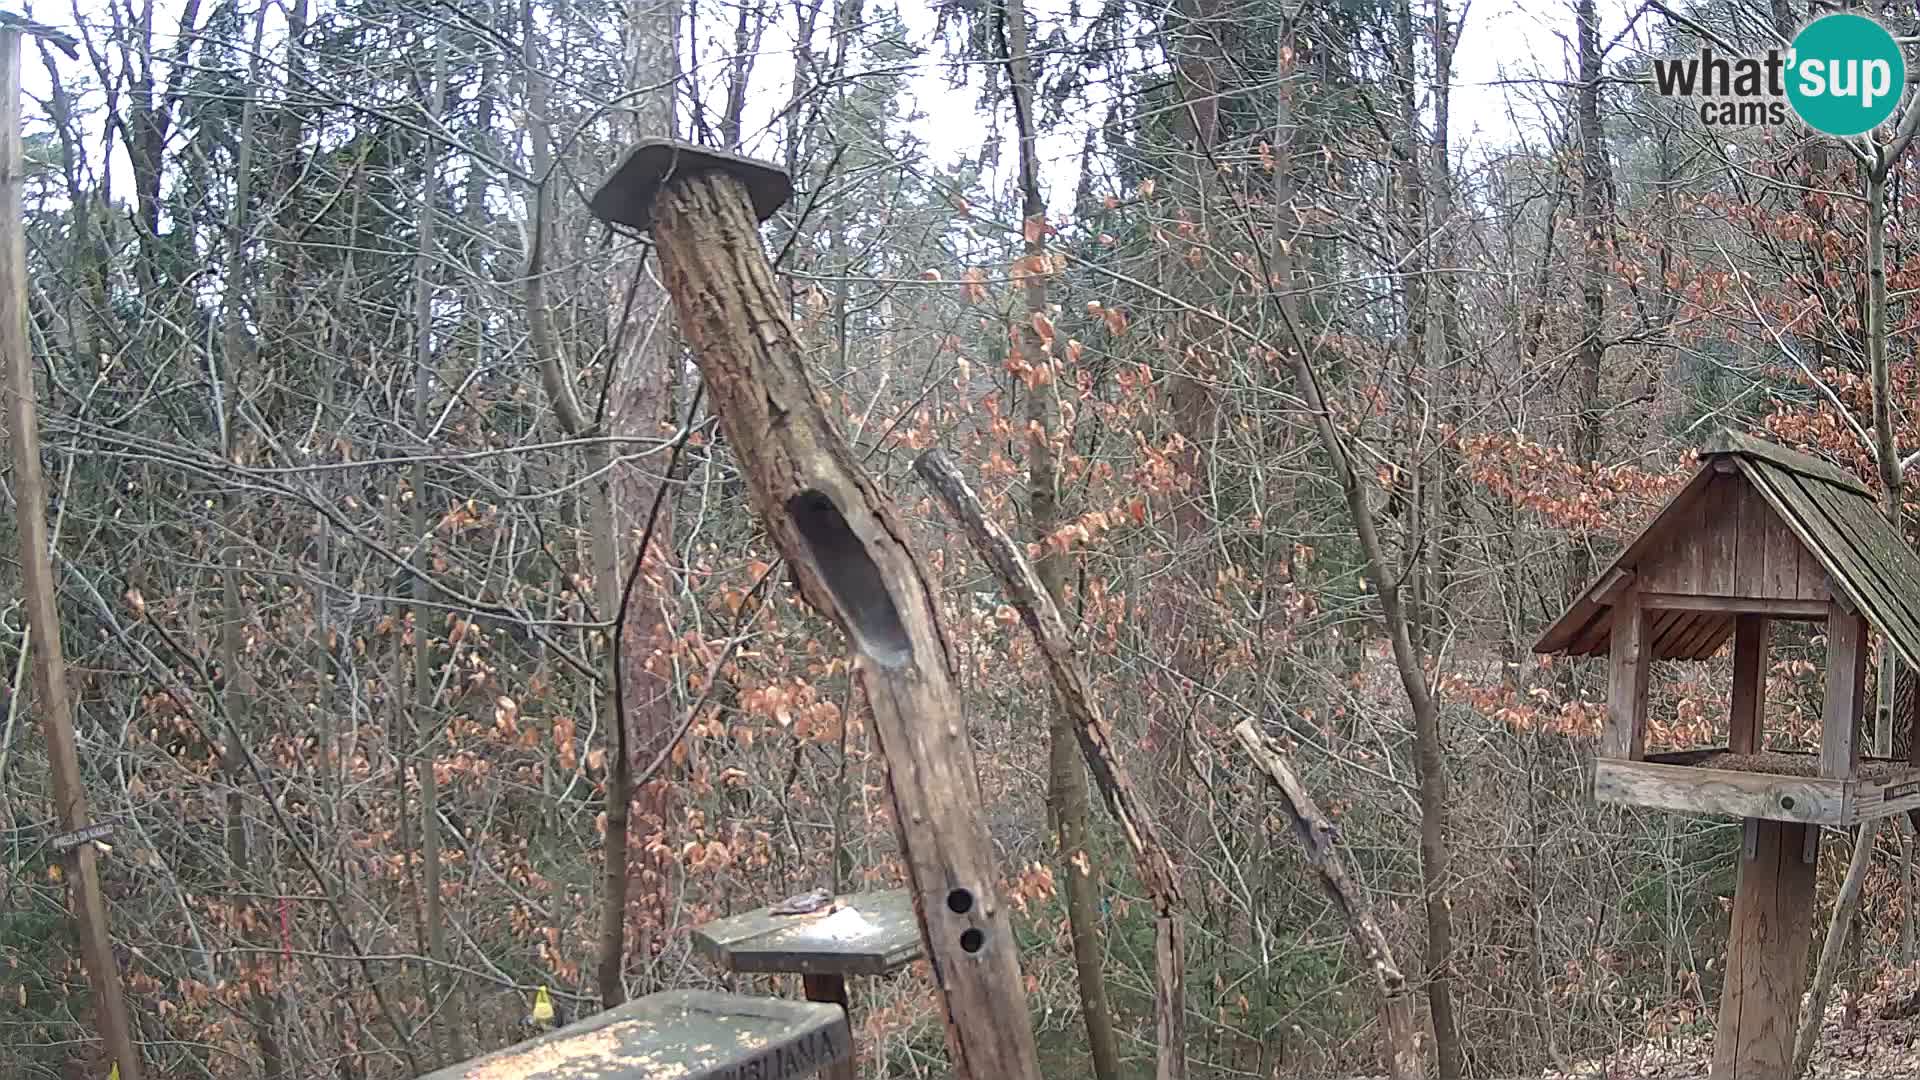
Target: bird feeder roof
{"x": 1758, "y": 528}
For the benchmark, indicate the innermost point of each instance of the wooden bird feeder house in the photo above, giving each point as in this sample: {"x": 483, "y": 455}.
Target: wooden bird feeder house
{"x": 1759, "y": 534}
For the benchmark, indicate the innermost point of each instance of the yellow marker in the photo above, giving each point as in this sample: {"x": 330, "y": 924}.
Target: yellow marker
{"x": 542, "y": 1007}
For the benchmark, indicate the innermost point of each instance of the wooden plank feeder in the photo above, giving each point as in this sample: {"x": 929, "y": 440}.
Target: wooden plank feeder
{"x": 862, "y": 933}
{"x": 684, "y": 1034}
{"x": 1759, "y": 534}
{"x": 851, "y": 560}
{"x": 867, "y": 933}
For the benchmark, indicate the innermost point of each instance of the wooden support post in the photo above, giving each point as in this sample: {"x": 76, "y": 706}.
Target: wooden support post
{"x": 1846, "y": 689}
{"x": 832, "y": 988}
{"x": 1766, "y": 955}
{"x": 1913, "y": 730}
{"x": 1625, "y": 735}
{"x": 38, "y": 588}
{"x": 847, "y": 548}
{"x": 1746, "y": 727}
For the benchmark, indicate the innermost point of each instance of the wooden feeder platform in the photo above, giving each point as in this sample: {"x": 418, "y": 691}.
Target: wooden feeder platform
{"x": 1770, "y": 786}
{"x": 677, "y": 1034}
{"x": 864, "y": 933}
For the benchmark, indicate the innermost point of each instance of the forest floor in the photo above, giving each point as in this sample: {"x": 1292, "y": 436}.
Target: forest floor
{"x": 1882, "y": 1044}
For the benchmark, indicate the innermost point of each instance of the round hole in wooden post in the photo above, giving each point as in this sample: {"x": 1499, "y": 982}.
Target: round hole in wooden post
{"x": 850, "y": 575}
{"x": 972, "y": 940}
{"x": 959, "y": 901}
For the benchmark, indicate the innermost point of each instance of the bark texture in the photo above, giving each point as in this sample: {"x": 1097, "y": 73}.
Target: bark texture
{"x": 848, "y": 550}
{"x": 39, "y": 590}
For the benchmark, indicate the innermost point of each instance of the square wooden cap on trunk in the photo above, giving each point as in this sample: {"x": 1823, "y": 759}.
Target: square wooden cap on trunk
{"x": 627, "y": 196}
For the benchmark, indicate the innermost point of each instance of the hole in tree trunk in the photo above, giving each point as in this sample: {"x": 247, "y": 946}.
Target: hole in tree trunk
{"x": 850, "y": 574}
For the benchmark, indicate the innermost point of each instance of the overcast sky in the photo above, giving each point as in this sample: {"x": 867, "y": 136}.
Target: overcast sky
{"x": 1505, "y": 49}
{"x": 1504, "y": 40}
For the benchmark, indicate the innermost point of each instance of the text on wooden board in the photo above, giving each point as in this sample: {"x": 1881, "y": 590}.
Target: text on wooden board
{"x": 81, "y": 836}
{"x": 1901, "y": 791}
{"x": 805, "y": 1057}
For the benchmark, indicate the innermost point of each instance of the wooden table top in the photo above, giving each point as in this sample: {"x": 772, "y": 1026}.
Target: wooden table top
{"x": 677, "y": 1034}
{"x": 862, "y": 933}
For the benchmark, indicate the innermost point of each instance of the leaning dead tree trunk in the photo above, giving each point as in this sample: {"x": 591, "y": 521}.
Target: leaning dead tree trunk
{"x": 1066, "y": 779}
{"x": 1031, "y": 598}
{"x": 1400, "y": 1044}
{"x": 40, "y": 590}
{"x": 847, "y": 547}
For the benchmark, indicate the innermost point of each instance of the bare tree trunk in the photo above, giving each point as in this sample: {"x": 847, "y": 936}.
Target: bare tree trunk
{"x": 1591, "y": 348}
{"x": 425, "y": 726}
{"x": 554, "y": 376}
{"x": 1884, "y": 451}
{"x": 1429, "y": 757}
{"x": 1067, "y": 778}
{"x": 38, "y": 588}
{"x": 640, "y": 402}
{"x": 333, "y": 634}
{"x": 238, "y": 693}
{"x": 1444, "y": 366}
{"x": 1886, "y": 455}
{"x": 1033, "y": 599}
{"x": 846, "y": 546}
{"x": 1406, "y": 496}
{"x": 1193, "y": 403}
{"x": 558, "y": 380}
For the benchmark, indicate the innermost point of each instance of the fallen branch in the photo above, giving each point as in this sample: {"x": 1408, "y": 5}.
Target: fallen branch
{"x": 1042, "y": 616}
{"x": 1402, "y": 1047}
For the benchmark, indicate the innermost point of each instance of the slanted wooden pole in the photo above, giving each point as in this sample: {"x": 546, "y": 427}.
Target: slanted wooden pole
{"x": 1399, "y": 1033}
{"x": 1833, "y": 948}
{"x": 847, "y": 548}
{"x": 1029, "y": 596}
{"x": 39, "y": 592}
{"x": 1840, "y": 723}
